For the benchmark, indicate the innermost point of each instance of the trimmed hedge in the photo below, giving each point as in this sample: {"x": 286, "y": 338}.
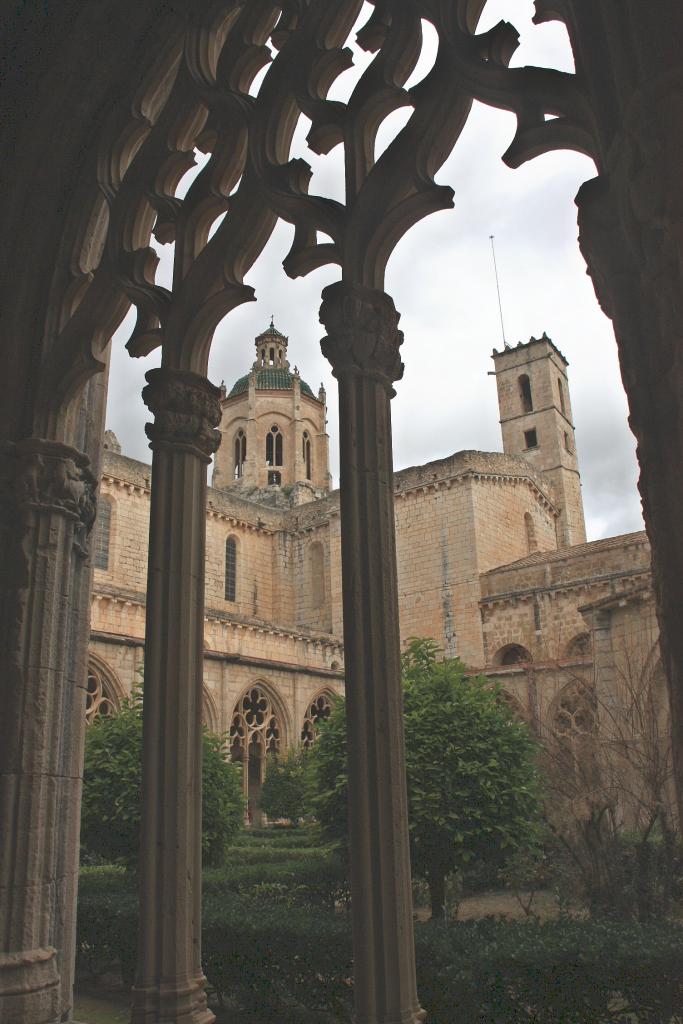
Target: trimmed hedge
{"x": 278, "y": 837}
{"x": 279, "y": 959}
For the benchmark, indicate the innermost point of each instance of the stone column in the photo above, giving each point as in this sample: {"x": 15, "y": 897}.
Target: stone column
{"x": 170, "y": 984}
{"x": 47, "y": 507}
{"x": 362, "y": 345}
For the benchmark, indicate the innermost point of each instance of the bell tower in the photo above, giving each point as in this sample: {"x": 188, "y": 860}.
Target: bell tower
{"x": 536, "y": 422}
{"x": 274, "y": 429}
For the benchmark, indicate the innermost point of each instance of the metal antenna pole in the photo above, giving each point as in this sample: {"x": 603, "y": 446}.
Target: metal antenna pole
{"x": 500, "y": 305}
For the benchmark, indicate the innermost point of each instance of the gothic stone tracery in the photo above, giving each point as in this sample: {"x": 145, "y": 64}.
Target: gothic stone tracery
{"x": 183, "y": 80}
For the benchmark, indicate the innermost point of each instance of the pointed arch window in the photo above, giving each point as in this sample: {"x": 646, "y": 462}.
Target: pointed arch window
{"x": 319, "y": 710}
{"x": 529, "y": 526}
{"x": 274, "y": 447}
{"x": 240, "y": 453}
{"x": 100, "y": 697}
{"x": 102, "y": 533}
{"x": 525, "y": 393}
{"x": 230, "y": 569}
{"x": 574, "y": 728}
{"x": 560, "y": 391}
{"x": 306, "y": 453}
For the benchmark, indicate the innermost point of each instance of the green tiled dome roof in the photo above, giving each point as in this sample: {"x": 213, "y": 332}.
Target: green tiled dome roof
{"x": 270, "y": 378}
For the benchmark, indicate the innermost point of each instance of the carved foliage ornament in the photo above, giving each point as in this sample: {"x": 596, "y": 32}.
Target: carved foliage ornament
{"x": 48, "y": 476}
{"x": 186, "y": 410}
{"x": 362, "y": 332}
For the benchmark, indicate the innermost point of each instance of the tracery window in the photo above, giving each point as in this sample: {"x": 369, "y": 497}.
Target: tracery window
{"x": 306, "y": 453}
{"x": 102, "y": 533}
{"x": 254, "y": 726}
{"x": 274, "y": 447}
{"x": 574, "y": 726}
{"x": 319, "y": 710}
{"x": 230, "y": 569}
{"x": 240, "y": 453}
{"x": 525, "y": 393}
{"x": 100, "y": 699}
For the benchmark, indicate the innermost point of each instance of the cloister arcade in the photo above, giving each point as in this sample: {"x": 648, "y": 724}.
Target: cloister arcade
{"x": 103, "y": 107}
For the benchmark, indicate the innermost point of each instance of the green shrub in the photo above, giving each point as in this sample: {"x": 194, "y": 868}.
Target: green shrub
{"x": 283, "y": 794}
{"x": 473, "y": 785}
{"x": 279, "y": 960}
{"x": 317, "y": 880}
{"x": 112, "y": 785}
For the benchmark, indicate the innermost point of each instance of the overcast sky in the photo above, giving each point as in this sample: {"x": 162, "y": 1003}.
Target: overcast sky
{"x": 441, "y": 279}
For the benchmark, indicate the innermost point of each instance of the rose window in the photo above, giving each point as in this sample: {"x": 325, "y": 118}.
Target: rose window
{"x": 319, "y": 710}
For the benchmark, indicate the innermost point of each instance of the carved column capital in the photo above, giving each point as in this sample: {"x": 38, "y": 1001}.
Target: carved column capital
{"x": 186, "y": 409}
{"x": 362, "y": 332}
{"x": 48, "y": 476}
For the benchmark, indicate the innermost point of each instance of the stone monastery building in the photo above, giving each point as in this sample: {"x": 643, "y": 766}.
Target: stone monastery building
{"x": 493, "y": 561}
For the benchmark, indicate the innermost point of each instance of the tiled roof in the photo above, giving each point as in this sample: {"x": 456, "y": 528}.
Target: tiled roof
{"x": 559, "y": 554}
{"x": 270, "y": 378}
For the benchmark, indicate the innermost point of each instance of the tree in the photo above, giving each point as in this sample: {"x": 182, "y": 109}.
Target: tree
{"x": 112, "y": 787}
{"x": 283, "y": 794}
{"x": 607, "y": 755}
{"x": 472, "y": 782}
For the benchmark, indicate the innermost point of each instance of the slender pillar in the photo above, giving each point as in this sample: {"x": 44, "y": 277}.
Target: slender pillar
{"x": 170, "y": 984}
{"x": 47, "y": 507}
{"x": 362, "y": 345}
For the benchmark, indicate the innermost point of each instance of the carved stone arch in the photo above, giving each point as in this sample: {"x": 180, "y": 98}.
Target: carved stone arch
{"x": 318, "y": 709}
{"x": 580, "y": 646}
{"x": 512, "y": 653}
{"x": 514, "y": 704}
{"x": 276, "y": 706}
{"x": 259, "y": 729}
{"x": 104, "y": 692}
{"x": 572, "y": 726}
{"x": 210, "y": 715}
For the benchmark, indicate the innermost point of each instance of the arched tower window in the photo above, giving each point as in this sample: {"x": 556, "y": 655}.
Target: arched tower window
{"x": 100, "y": 697}
{"x": 317, "y": 569}
{"x": 529, "y": 526}
{"x": 306, "y": 453}
{"x": 274, "y": 447}
{"x": 102, "y": 533}
{"x": 318, "y": 711}
{"x": 525, "y": 393}
{"x": 230, "y": 569}
{"x": 560, "y": 391}
{"x": 240, "y": 453}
